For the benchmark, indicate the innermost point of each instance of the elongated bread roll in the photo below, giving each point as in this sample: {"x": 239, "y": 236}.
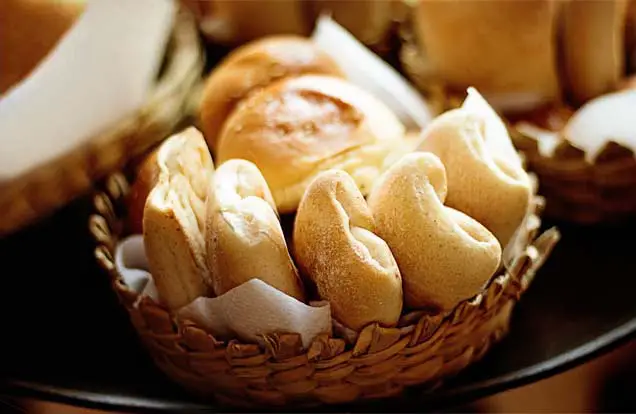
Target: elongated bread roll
{"x": 174, "y": 217}
{"x": 593, "y": 47}
{"x": 253, "y": 66}
{"x": 485, "y": 177}
{"x": 506, "y": 49}
{"x": 244, "y": 235}
{"x": 335, "y": 246}
{"x": 444, "y": 256}
{"x": 297, "y": 127}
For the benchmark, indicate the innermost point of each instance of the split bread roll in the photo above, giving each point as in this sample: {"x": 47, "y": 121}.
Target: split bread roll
{"x": 486, "y": 179}
{"x": 593, "y": 47}
{"x": 253, "y": 66}
{"x": 245, "y": 238}
{"x": 297, "y": 127}
{"x": 444, "y": 255}
{"x": 506, "y": 49}
{"x": 335, "y": 246}
{"x": 174, "y": 218}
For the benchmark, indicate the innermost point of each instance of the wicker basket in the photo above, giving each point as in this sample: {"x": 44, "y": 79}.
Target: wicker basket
{"x": 583, "y": 192}
{"x": 48, "y": 187}
{"x": 381, "y": 362}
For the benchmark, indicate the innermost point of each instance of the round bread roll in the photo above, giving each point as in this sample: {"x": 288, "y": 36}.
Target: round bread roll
{"x": 485, "y": 177}
{"x": 335, "y": 246}
{"x": 174, "y": 216}
{"x": 253, "y": 66}
{"x": 444, "y": 255}
{"x": 593, "y": 46}
{"x": 245, "y": 238}
{"x": 297, "y": 127}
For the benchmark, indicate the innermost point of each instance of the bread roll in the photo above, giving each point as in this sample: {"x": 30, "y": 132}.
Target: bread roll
{"x": 174, "y": 219}
{"x": 253, "y": 66}
{"x": 485, "y": 177}
{"x": 245, "y": 238}
{"x": 297, "y": 127}
{"x": 335, "y": 246}
{"x": 506, "y": 49}
{"x": 29, "y": 30}
{"x": 593, "y": 47}
{"x": 444, "y": 255}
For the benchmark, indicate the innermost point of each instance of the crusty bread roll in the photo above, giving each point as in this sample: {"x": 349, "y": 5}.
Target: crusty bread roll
{"x": 253, "y": 66}
{"x": 486, "y": 179}
{"x": 297, "y": 127}
{"x": 506, "y": 49}
{"x": 244, "y": 236}
{"x": 335, "y": 246}
{"x": 444, "y": 255}
{"x": 174, "y": 219}
{"x": 29, "y": 30}
{"x": 593, "y": 47}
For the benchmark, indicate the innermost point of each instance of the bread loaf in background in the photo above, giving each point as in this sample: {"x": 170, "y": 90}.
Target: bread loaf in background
{"x": 254, "y": 66}
{"x": 593, "y": 47}
{"x": 335, "y": 246}
{"x": 29, "y": 30}
{"x": 174, "y": 219}
{"x": 244, "y": 236}
{"x": 444, "y": 255}
{"x": 485, "y": 177}
{"x": 505, "y": 49}
{"x": 297, "y": 127}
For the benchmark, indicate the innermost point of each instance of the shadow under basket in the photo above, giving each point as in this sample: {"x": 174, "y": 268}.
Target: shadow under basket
{"x": 42, "y": 190}
{"x": 580, "y": 191}
{"x": 423, "y": 349}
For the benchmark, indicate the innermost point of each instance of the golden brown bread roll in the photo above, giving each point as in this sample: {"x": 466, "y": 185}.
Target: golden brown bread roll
{"x": 174, "y": 219}
{"x": 506, "y": 49}
{"x": 485, "y": 177}
{"x": 593, "y": 47}
{"x": 253, "y": 66}
{"x": 444, "y": 255}
{"x": 244, "y": 235}
{"x": 145, "y": 179}
{"x": 335, "y": 246}
{"x": 297, "y": 127}
{"x": 29, "y": 30}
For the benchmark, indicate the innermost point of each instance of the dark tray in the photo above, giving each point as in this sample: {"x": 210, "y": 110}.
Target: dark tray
{"x": 65, "y": 338}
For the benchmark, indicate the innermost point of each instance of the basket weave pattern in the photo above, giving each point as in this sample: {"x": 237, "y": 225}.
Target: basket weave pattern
{"x": 47, "y": 187}
{"x": 380, "y": 362}
{"x": 583, "y": 192}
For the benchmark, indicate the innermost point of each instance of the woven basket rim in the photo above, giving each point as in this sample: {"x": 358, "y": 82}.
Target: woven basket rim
{"x": 46, "y": 187}
{"x": 117, "y": 185}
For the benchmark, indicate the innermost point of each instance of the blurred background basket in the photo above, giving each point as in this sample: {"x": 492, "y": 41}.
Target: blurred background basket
{"x": 424, "y": 348}
{"x": 579, "y": 191}
{"x": 44, "y": 189}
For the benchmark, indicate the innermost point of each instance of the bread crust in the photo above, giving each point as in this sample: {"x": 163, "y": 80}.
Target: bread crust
{"x": 335, "y": 246}
{"x": 444, "y": 255}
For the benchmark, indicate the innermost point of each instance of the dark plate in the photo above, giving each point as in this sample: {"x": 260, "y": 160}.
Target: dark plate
{"x": 65, "y": 338}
